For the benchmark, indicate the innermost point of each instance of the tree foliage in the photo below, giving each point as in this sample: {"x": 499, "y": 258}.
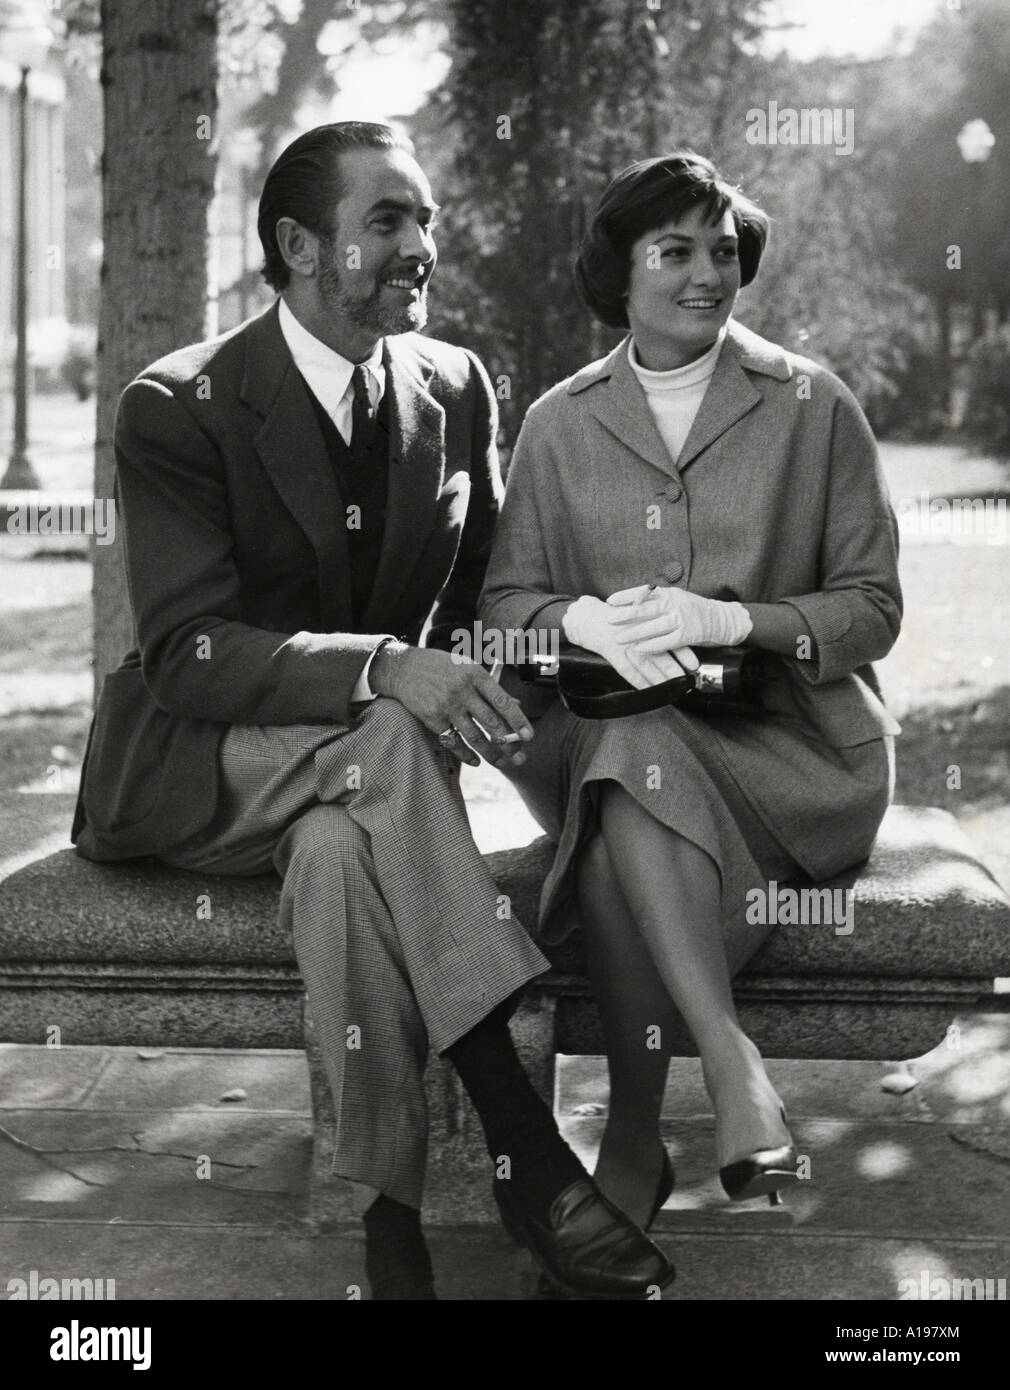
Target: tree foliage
{"x": 543, "y": 105}
{"x": 987, "y": 415}
{"x": 957, "y": 73}
{"x": 545, "y": 102}
{"x": 831, "y": 285}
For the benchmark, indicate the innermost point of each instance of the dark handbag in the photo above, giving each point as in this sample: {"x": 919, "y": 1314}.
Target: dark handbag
{"x": 728, "y": 681}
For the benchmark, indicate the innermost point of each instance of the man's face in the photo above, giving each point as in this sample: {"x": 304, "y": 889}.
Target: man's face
{"x": 373, "y": 270}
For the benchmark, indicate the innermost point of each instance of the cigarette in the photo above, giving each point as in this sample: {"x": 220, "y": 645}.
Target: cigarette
{"x": 496, "y": 670}
{"x": 510, "y": 738}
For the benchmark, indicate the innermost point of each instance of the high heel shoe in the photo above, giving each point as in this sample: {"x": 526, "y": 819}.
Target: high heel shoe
{"x": 589, "y": 1249}
{"x": 766, "y": 1171}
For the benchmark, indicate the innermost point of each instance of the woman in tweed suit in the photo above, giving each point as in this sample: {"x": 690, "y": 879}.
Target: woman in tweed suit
{"x": 699, "y": 486}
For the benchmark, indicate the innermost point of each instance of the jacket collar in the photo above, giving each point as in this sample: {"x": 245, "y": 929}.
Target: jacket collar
{"x": 292, "y": 450}
{"x": 619, "y": 403}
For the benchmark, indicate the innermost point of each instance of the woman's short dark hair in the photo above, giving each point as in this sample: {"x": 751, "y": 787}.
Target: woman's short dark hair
{"x": 642, "y": 198}
{"x": 304, "y": 183}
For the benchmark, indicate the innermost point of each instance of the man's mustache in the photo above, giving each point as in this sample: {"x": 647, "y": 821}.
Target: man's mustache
{"x": 421, "y": 273}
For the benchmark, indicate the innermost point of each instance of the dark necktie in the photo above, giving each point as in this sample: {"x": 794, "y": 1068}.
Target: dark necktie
{"x": 362, "y": 419}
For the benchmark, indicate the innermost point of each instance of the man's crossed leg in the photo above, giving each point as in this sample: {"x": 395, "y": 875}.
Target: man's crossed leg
{"x": 396, "y": 930}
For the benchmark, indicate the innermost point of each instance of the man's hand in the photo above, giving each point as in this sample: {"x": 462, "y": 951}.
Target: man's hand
{"x": 593, "y": 624}
{"x": 658, "y": 620}
{"x": 446, "y": 693}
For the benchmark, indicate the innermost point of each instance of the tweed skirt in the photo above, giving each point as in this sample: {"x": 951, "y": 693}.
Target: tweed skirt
{"x": 761, "y": 797}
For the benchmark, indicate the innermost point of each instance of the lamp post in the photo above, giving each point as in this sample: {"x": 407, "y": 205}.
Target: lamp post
{"x": 975, "y": 141}
{"x": 27, "y": 43}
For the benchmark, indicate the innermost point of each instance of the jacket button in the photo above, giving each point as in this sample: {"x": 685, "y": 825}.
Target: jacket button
{"x": 674, "y": 492}
{"x": 674, "y": 571}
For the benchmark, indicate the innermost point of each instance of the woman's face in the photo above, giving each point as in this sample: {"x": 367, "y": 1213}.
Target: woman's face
{"x": 685, "y": 277}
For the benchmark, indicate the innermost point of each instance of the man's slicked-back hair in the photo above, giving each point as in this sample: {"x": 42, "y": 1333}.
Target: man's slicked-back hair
{"x": 304, "y": 183}
{"x": 641, "y": 199}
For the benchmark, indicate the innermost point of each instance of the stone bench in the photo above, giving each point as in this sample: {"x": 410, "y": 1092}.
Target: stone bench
{"x": 142, "y": 954}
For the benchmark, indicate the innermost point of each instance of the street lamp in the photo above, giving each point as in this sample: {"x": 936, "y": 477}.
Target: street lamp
{"x": 975, "y": 141}
{"x": 26, "y": 43}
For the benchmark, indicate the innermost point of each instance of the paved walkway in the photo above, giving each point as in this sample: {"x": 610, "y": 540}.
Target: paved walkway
{"x": 182, "y": 1175}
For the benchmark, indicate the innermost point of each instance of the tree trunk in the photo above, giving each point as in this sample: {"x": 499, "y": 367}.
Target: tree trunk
{"x": 159, "y": 79}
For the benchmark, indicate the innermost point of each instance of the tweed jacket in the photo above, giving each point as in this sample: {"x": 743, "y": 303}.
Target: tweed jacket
{"x": 238, "y": 569}
{"x": 777, "y": 496}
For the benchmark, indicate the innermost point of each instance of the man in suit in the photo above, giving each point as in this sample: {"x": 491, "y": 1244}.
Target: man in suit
{"x": 299, "y": 496}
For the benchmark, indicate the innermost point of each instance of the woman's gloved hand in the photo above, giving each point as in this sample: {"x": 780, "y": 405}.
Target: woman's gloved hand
{"x": 596, "y": 625}
{"x": 661, "y": 620}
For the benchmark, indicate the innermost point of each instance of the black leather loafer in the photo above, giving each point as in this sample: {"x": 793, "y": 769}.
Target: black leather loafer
{"x": 589, "y": 1249}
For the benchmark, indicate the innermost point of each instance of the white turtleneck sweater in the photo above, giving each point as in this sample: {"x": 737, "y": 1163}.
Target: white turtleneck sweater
{"x": 675, "y": 396}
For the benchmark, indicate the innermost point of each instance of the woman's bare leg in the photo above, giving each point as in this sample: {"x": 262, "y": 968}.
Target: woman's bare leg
{"x": 673, "y": 891}
{"x": 632, "y": 999}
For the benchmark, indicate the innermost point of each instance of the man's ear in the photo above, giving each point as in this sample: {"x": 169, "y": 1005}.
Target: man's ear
{"x": 298, "y": 246}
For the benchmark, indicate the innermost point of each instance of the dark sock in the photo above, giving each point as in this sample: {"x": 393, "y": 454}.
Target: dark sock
{"x": 396, "y": 1257}
{"x": 517, "y": 1124}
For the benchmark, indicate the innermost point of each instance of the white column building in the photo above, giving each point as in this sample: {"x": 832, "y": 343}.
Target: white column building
{"x": 45, "y": 207}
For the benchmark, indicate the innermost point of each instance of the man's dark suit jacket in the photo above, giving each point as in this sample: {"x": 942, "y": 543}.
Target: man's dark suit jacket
{"x": 237, "y": 563}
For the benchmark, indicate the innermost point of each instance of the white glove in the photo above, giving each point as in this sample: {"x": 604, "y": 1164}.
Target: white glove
{"x": 661, "y": 620}
{"x": 591, "y": 623}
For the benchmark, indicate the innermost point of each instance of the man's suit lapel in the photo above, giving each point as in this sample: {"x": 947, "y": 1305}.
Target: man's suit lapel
{"x": 416, "y": 464}
{"x": 293, "y": 452}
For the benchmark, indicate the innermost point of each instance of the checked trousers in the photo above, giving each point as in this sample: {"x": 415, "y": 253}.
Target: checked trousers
{"x": 391, "y": 909}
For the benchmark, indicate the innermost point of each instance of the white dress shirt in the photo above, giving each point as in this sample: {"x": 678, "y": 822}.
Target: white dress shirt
{"x": 330, "y": 379}
{"x": 329, "y": 375}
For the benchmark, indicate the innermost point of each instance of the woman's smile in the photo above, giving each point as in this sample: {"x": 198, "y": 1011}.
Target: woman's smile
{"x": 683, "y": 283}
